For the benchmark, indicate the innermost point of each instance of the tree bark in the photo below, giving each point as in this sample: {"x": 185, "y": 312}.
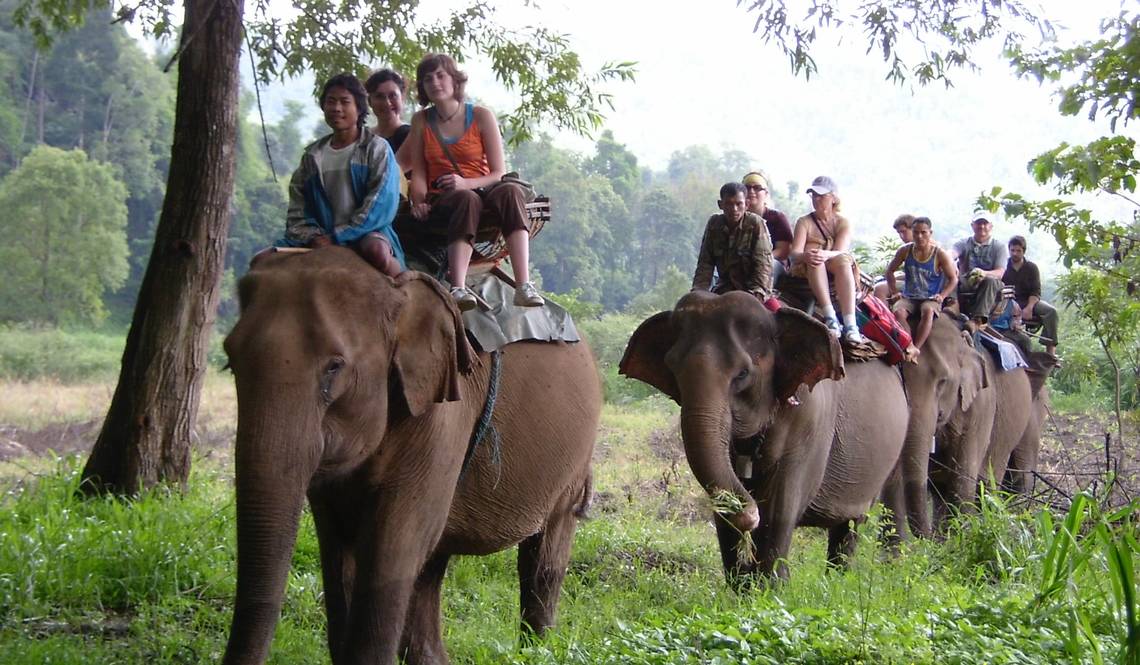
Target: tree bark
{"x": 146, "y": 437}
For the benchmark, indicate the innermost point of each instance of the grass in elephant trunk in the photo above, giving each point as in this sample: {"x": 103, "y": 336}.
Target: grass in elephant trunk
{"x": 152, "y": 580}
{"x": 726, "y": 504}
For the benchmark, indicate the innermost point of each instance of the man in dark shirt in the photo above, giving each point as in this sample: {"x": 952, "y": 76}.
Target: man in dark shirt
{"x": 737, "y": 246}
{"x": 757, "y": 198}
{"x": 1025, "y": 279}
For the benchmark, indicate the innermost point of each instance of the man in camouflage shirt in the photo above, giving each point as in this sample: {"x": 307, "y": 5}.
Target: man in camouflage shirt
{"x": 737, "y": 245}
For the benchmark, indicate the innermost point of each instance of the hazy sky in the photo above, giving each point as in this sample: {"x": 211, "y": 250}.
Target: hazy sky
{"x": 705, "y": 78}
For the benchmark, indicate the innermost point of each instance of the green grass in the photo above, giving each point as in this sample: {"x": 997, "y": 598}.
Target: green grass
{"x": 151, "y": 580}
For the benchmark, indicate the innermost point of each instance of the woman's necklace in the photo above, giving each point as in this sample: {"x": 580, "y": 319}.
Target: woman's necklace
{"x": 453, "y": 113}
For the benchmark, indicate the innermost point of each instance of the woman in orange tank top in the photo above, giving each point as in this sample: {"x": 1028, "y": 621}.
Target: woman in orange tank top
{"x": 450, "y": 163}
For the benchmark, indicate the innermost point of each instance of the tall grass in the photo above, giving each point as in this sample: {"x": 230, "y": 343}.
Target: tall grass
{"x": 151, "y": 581}
{"x": 30, "y": 353}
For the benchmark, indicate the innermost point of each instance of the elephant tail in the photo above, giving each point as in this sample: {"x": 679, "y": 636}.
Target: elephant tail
{"x": 586, "y": 498}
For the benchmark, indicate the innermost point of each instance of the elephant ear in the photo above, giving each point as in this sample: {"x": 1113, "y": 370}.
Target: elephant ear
{"x": 806, "y": 353}
{"x": 644, "y": 357}
{"x": 431, "y": 347}
{"x": 975, "y": 378}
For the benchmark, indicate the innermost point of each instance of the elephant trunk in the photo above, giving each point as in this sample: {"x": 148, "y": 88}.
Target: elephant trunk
{"x": 271, "y": 478}
{"x": 915, "y": 460}
{"x": 706, "y": 430}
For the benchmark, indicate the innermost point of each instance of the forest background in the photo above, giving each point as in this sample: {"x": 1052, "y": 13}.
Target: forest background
{"x": 85, "y": 132}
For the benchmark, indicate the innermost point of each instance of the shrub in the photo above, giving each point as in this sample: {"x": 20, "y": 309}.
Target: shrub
{"x": 28, "y": 353}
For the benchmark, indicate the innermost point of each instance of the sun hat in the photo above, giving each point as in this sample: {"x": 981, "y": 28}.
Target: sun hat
{"x": 822, "y": 185}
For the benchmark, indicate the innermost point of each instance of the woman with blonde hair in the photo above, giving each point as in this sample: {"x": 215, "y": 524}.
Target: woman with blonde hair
{"x": 821, "y": 245}
{"x": 456, "y": 150}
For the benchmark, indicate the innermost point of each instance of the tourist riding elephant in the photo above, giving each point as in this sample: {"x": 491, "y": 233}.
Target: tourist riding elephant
{"x": 767, "y": 388}
{"x": 363, "y": 392}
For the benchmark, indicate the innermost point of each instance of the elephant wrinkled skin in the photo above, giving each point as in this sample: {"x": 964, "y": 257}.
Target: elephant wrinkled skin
{"x": 951, "y": 395}
{"x": 733, "y": 367}
{"x": 362, "y": 392}
{"x": 978, "y": 417}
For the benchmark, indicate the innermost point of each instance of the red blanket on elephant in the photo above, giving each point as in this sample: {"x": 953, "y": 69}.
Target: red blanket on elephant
{"x": 878, "y": 323}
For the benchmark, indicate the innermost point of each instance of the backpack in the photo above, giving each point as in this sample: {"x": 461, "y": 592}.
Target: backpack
{"x": 877, "y": 322}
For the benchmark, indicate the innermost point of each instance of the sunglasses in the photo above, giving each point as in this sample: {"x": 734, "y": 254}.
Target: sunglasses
{"x": 755, "y": 188}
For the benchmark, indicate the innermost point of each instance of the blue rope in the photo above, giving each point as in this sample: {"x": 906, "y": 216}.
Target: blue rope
{"x": 484, "y": 429}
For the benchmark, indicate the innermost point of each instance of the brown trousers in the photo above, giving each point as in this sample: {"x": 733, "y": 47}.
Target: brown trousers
{"x": 461, "y": 210}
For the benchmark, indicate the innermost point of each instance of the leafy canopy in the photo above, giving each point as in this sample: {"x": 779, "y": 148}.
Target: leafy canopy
{"x": 64, "y": 222}
{"x": 920, "y": 39}
{"x": 329, "y": 37}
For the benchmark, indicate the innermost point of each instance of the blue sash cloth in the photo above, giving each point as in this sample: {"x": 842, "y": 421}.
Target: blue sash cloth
{"x": 1005, "y": 354}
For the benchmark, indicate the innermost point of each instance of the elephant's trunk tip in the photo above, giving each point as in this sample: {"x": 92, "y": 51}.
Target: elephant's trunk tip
{"x": 747, "y": 519}
{"x": 741, "y": 513}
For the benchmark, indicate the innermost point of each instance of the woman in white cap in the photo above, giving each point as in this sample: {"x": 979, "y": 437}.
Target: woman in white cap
{"x": 821, "y": 245}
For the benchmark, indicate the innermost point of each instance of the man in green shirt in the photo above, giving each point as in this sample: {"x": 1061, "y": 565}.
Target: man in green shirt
{"x": 737, "y": 246}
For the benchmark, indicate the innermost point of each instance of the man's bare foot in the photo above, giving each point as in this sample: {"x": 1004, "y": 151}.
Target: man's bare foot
{"x": 911, "y": 354}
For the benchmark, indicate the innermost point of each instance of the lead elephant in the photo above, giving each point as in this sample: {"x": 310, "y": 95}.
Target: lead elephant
{"x": 737, "y": 371}
{"x": 363, "y": 393}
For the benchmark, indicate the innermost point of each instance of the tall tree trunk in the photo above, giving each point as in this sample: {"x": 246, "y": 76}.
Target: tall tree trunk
{"x": 41, "y": 103}
{"x": 146, "y": 436}
{"x": 31, "y": 95}
{"x": 107, "y": 119}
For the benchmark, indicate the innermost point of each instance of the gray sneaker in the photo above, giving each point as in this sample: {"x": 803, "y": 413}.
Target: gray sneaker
{"x": 464, "y": 299}
{"x": 527, "y": 296}
{"x": 852, "y": 336}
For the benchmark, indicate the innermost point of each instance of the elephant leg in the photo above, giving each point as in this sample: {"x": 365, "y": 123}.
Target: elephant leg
{"x": 995, "y": 466}
{"x": 542, "y": 562}
{"x": 422, "y": 643}
{"x": 338, "y": 567}
{"x": 773, "y": 539}
{"x": 893, "y": 525}
{"x": 841, "y": 540}
{"x": 1022, "y": 464}
{"x": 738, "y": 566}
{"x": 402, "y": 521}
{"x": 954, "y": 484}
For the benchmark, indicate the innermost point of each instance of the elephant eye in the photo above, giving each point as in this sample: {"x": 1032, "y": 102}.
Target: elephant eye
{"x": 741, "y": 375}
{"x": 331, "y": 369}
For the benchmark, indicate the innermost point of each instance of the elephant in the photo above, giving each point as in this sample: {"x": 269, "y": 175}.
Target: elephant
{"x": 362, "y": 392}
{"x": 820, "y": 436}
{"x": 1009, "y": 461}
{"x": 952, "y": 400}
{"x": 975, "y": 414}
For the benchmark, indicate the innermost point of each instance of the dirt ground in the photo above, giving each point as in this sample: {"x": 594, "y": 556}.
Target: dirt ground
{"x": 65, "y": 439}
